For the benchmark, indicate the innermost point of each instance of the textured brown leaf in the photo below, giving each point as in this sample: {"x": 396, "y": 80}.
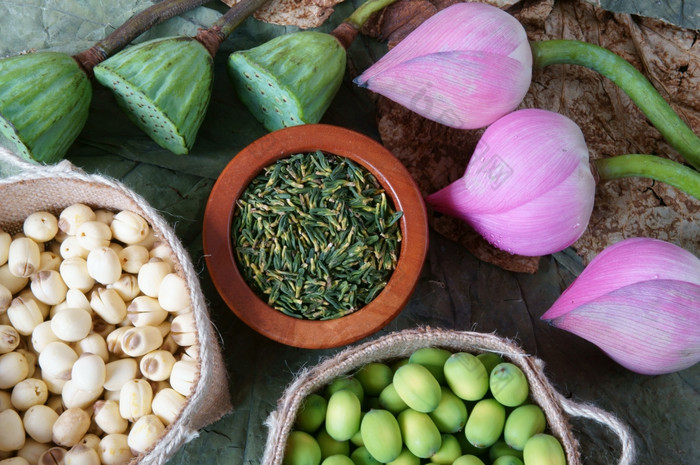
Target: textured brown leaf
{"x": 302, "y": 13}
{"x": 669, "y": 56}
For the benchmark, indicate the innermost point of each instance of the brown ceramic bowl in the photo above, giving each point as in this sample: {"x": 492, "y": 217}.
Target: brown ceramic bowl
{"x": 272, "y": 323}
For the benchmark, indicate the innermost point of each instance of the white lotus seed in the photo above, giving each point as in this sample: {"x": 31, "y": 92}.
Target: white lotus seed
{"x": 127, "y": 286}
{"x": 41, "y": 226}
{"x": 114, "y": 449}
{"x": 133, "y": 258}
{"x": 24, "y": 257}
{"x": 29, "y": 392}
{"x": 5, "y": 298}
{"x": 31, "y": 451}
{"x": 129, "y": 227}
{"x": 173, "y": 293}
{"x": 167, "y": 404}
{"x": 74, "y": 271}
{"x": 108, "y": 418}
{"x": 103, "y": 215}
{"x": 146, "y": 311}
{"x": 89, "y": 372}
{"x": 145, "y": 433}
{"x": 184, "y": 376}
{"x": 183, "y": 329}
{"x": 78, "y": 299}
{"x": 13, "y": 369}
{"x": 135, "y": 399}
{"x": 151, "y": 274}
{"x": 12, "y": 433}
{"x": 53, "y": 456}
{"x": 71, "y": 247}
{"x": 15, "y": 460}
{"x": 42, "y": 336}
{"x": 73, "y": 216}
{"x": 54, "y": 383}
{"x": 162, "y": 250}
{"x": 157, "y": 365}
{"x": 12, "y": 283}
{"x": 48, "y": 287}
{"x": 114, "y": 340}
{"x": 119, "y": 372}
{"x": 108, "y": 304}
{"x": 49, "y": 260}
{"x": 95, "y": 344}
{"x": 93, "y": 235}
{"x": 81, "y": 455}
{"x": 74, "y": 397}
{"x": 91, "y": 440}
{"x": 5, "y": 240}
{"x": 70, "y": 427}
{"x": 25, "y": 315}
{"x": 71, "y": 324}
{"x": 9, "y": 339}
{"x": 57, "y": 359}
{"x": 103, "y": 265}
{"x": 138, "y": 341}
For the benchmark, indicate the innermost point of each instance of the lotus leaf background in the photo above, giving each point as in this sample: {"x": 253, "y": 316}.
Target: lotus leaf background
{"x": 465, "y": 284}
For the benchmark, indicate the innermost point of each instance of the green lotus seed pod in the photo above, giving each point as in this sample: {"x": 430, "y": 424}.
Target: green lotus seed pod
{"x": 312, "y": 413}
{"x": 343, "y": 415}
{"x": 507, "y": 460}
{"x": 448, "y": 452}
{"x": 390, "y": 400}
{"x": 289, "y": 80}
{"x": 164, "y": 86}
{"x": 417, "y": 387}
{"x": 490, "y": 360}
{"x": 361, "y": 456}
{"x": 381, "y": 435}
{"x": 508, "y": 384}
{"x": 406, "y": 457}
{"x": 345, "y": 382}
{"x": 468, "y": 459}
{"x": 337, "y": 460}
{"x": 330, "y": 446}
{"x": 485, "y": 423}
{"x": 500, "y": 448}
{"x": 374, "y": 377}
{"x": 451, "y": 413}
{"x": 44, "y": 104}
{"x": 543, "y": 449}
{"x": 301, "y": 449}
{"x": 523, "y": 423}
{"x": 433, "y": 358}
{"x": 419, "y": 433}
{"x": 466, "y": 376}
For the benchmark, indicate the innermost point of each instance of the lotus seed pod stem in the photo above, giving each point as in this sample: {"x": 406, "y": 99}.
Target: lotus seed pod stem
{"x": 12, "y": 434}
{"x": 38, "y": 422}
{"x": 40, "y": 226}
{"x": 29, "y": 392}
{"x": 70, "y": 427}
{"x": 9, "y": 339}
{"x": 23, "y": 257}
{"x": 13, "y": 369}
{"x": 108, "y": 418}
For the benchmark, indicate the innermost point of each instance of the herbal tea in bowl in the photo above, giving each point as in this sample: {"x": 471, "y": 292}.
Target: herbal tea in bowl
{"x": 315, "y": 236}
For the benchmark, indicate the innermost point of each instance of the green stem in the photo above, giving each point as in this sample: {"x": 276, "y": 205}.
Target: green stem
{"x": 223, "y": 27}
{"x": 652, "y": 167}
{"x": 131, "y": 29}
{"x": 631, "y": 81}
{"x": 360, "y": 16}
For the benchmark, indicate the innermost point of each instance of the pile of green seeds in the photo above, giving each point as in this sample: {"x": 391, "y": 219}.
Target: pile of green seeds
{"x": 315, "y": 236}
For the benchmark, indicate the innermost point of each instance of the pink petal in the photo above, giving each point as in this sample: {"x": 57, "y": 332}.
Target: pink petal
{"x": 462, "y": 26}
{"x": 624, "y": 263}
{"x": 461, "y": 89}
{"x": 650, "y": 327}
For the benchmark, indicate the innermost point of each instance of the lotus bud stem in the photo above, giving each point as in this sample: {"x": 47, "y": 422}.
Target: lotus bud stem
{"x": 57, "y": 360}
{"x": 108, "y": 418}
{"x": 183, "y": 376}
{"x": 167, "y": 404}
{"x": 71, "y": 324}
{"x": 40, "y": 226}
{"x": 138, "y": 341}
{"x": 9, "y": 339}
{"x": 48, "y": 287}
{"x": 25, "y": 315}
{"x": 94, "y": 344}
{"x": 151, "y": 274}
{"x": 29, "y": 392}
{"x": 5, "y": 241}
{"x": 74, "y": 271}
{"x": 23, "y": 257}
{"x": 145, "y": 433}
{"x": 70, "y": 247}
{"x": 93, "y": 235}
{"x": 133, "y": 257}
{"x": 108, "y": 304}
{"x": 119, "y": 372}
{"x": 129, "y": 227}
{"x": 81, "y": 455}
{"x": 103, "y": 265}
{"x": 114, "y": 449}
{"x": 157, "y": 365}
{"x": 49, "y": 260}
{"x": 184, "y": 329}
{"x": 173, "y": 293}
{"x": 38, "y": 422}
{"x": 73, "y": 216}
{"x": 12, "y": 434}
{"x": 146, "y": 311}
{"x": 70, "y": 427}
{"x": 135, "y": 399}
{"x": 42, "y": 335}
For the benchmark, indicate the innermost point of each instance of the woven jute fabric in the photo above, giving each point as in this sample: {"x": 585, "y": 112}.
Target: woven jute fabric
{"x": 53, "y": 188}
{"x": 401, "y": 344}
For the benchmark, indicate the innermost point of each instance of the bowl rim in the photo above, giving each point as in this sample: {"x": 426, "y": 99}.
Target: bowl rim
{"x": 245, "y": 303}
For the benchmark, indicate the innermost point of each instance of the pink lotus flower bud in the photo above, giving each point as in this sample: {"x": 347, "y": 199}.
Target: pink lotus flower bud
{"x": 528, "y": 188}
{"x": 638, "y": 301}
{"x": 464, "y": 67}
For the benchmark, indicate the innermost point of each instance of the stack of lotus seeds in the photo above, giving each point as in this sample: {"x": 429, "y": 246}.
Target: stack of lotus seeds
{"x": 98, "y": 346}
{"x": 435, "y": 407}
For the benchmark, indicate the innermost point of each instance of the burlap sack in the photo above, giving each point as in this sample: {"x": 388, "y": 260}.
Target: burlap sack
{"x": 400, "y": 344}
{"x": 52, "y": 188}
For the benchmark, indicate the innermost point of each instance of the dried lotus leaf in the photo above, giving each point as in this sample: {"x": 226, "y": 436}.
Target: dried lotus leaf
{"x": 304, "y": 14}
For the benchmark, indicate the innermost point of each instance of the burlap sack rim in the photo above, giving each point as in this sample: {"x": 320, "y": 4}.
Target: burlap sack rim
{"x": 557, "y": 409}
{"x": 203, "y": 407}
